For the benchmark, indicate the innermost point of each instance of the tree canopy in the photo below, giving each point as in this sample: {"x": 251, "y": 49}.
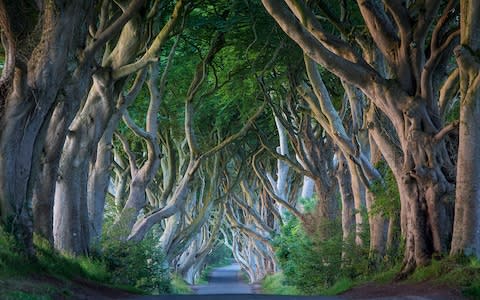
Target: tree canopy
{"x": 208, "y": 123}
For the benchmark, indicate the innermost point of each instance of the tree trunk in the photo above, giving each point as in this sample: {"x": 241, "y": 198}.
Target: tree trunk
{"x": 71, "y": 209}
{"x": 348, "y": 206}
{"x": 426, "y": 188}
{"x": 44, "y": 186}
{"x": 98, "y": 181}
{"x": 36, "y": 86}
{"x": 466, "y": 235}
{"x": 358, "y": 193}
{"x": 327, "y": 207}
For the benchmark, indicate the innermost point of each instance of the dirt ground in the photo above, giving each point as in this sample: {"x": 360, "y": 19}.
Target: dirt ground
{"x": 424, "y": 290}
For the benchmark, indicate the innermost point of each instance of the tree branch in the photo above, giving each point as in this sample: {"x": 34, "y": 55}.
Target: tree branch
{"x": 104, "y": 36}
{"x": 358, "y": 74}
{"x": 151, "y": 54}
{"x": 444, "y": 131}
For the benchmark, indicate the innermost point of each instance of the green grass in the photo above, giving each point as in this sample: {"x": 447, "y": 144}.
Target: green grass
{"x": 15, "y": 270}
{"x": 457, "y": 271}
{"x": 16, "y": 295}
{"x": 384, "y": 277}
{"x": 203, "y": 278}
{"x": 342, "y": 285}
{"x": 69, "y": 267}
{"x": 275, "y": 285}
{"x": 179, "y": 286}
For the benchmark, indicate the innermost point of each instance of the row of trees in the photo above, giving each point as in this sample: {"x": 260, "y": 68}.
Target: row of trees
{"x": 205, "y": 120}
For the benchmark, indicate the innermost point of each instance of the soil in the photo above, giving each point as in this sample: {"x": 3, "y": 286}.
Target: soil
{"x": 423, "y": 290}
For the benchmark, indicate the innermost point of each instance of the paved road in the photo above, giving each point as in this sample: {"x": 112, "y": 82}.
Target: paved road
{"x": 225, "y": 284}
{"x": 224, "y": 280}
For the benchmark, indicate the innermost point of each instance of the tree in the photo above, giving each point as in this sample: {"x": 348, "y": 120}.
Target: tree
{"x": 34, "y": 80}
{"x": 466, "y": 237}
{"x": 416, "y": 42}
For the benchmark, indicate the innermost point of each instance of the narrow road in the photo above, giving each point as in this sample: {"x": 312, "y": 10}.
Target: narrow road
{"x": 225, "y": 283}
{"x": 224, "y": 280}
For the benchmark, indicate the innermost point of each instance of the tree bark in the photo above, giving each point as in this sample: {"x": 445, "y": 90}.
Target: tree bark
{"x": 348, "y": 206}
{"x": 408, "y": 101}
{"x": 71, "y": 209}
{"x": 36, "y": 85}
{"x": 466, "y": 235}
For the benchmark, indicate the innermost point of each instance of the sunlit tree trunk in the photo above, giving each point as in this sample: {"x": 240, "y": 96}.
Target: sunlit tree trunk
{"x": 466, "y": 234}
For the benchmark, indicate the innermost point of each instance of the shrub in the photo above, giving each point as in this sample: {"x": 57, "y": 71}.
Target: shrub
{"x": 314, "y": 264}
{"x": 179, "y": 286}
{"x": 11, "y": 261}
{"x": 139, "y": 264}
{"x": 276, "y": 284}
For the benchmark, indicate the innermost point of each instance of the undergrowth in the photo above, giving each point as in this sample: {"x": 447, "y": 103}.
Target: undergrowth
{"x": 276, "y": 285}
{"x": 456, "y": 271}
{"x": 179, "y": 286}
{"x": 137, "y": 268}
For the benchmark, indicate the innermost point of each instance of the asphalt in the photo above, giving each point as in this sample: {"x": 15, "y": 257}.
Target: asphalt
{"x": 226, "y": 283}
{"x": 224, "y": 280}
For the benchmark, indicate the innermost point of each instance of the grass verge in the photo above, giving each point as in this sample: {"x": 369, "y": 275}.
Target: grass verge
{"x": 49, "y": 274}
{"x": 276, "y": 285}
{"x": 459, "y": 271}
{"x": 179, "y": 286}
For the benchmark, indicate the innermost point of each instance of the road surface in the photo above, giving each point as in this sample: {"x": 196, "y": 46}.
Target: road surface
{"x": 225, "y": 284}
{"x": 224, "y": 280}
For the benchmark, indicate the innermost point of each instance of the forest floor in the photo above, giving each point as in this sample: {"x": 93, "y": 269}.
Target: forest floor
{"x": 221, "y": 283}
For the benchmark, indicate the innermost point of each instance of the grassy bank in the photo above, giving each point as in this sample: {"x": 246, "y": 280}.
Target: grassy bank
{"x": 51, "y": 275}
{"x": 458, "y": 273}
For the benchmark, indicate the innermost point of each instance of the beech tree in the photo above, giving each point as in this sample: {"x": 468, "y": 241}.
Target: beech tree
{"x": 466, "y": 237}
{"x": 416, "y": 40}
{"x": 42, "y": 38}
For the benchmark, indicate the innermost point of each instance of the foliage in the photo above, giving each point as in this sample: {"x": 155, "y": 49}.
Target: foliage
{"x": 47, "y": 262}
{"x": 18, "y": 295}
{"x": 316, "y": 264}
{"x": 313, "y": 264}
{"x": 340, "y": 286}
{"x": 458, "y": 271}
{"x": 219, "y": 257}
{"x": 54, "y": 263}
{"x": 135, "y": 267}
{"x": 11, "y": 261}
{"x": 276, "y": 284}
{"x": 387, "y": 196}
{"x": 141, "y": 264}
{"x": 179, "y": 286}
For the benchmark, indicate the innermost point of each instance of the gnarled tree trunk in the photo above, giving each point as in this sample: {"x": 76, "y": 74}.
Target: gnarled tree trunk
{"x": 36, "y": 81}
